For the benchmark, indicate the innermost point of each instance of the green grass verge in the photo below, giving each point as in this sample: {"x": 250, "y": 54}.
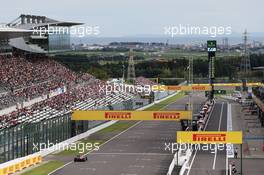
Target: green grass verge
{"x": 166, "y": 102}
{"x": 115, "y": 128}
{"x": 44, "y": 169}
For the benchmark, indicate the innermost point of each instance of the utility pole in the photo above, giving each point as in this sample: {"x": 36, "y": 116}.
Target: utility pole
{"x": 245, "y": 66}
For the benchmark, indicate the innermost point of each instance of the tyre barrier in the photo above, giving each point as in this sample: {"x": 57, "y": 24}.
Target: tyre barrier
{"x": 19, "y": 164}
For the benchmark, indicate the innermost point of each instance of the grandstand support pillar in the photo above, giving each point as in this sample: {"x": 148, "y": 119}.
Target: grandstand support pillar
{"x": 73, "y": 128}
{"x": 4, "y": 144}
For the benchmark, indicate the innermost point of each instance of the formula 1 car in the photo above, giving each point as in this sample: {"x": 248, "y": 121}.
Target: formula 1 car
{"x": 80, "y": 158}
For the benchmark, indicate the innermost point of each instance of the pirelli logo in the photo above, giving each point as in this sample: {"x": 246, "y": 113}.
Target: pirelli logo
{"x": 174, "y": 88}
{"x": 132, "y": 115}
{"x": 209, "y": 137}
{"x": 234, "y": 137}
{"x": 201, "y": 88}
{"x": 168, "y": 115}
{"x": 117, "y": 115}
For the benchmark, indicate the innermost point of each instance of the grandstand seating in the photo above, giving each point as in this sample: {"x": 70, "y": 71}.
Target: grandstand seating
{"x": 144, "y": 81}
{"x": 24, "y": 79}
{"x": 47, "y": 112}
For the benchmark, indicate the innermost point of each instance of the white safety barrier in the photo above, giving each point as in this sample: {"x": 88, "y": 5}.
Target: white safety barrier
{"x": 171, "y": 167}
{"x": 229, "y": 97}
{"x": 230, "y": 151}
{"x": 181, "y": 159}
{"x": 186, "y": 159}
{"x": 64, "y": 144}
{"x": 184, "y": 167}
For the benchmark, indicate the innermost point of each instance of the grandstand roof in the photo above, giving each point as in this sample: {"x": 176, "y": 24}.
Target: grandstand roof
{"x": 30, "y": 21}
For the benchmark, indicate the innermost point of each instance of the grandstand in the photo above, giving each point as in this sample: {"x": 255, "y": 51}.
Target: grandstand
{"x": 47, "y": 35}
{"x": 38, "y": 94}
{"x": 36, "y": 91}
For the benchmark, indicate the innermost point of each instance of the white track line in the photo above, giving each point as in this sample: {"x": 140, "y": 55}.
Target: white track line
{"x": 188, "y": 172}
{"x": 132, "y": 154}
{"x": 226, "y": 165}
{"x": 100, "y": 146}
{"x": 229, "y": 128}
{"x": 110, "y": 139}
{"x": 219, "y": 127}
{"x": 209, "y": 117}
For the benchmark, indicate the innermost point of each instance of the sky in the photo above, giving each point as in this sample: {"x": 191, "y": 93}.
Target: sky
{"x": 143, "y": 17}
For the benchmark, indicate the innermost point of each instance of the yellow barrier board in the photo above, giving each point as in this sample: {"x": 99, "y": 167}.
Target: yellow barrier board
{"x": 200, "y": 87}
{"x": 231, "y": 84}
{"x": 189, "y": 88}
{"x": 20, "y": 165}
{"x": 210, "y": 137}
{"x": 132, "y": 115}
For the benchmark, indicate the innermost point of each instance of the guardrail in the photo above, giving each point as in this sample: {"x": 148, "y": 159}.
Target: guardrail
{"x": 185, "y": 165}
{"x": 19, "y": 164}
{"x": 229, "y": 152}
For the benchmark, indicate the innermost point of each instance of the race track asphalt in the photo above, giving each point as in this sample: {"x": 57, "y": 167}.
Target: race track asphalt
{"x": 139, "y": 150}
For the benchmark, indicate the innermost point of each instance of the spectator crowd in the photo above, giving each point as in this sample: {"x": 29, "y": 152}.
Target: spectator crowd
{"x": 23, "y": 79}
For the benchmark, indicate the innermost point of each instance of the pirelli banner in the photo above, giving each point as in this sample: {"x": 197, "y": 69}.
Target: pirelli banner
{"x": 189, "y": 88}
{"x": 132, "y": 115}
{"x": 232, "y": 84}
{"x": 210, "y": 137}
